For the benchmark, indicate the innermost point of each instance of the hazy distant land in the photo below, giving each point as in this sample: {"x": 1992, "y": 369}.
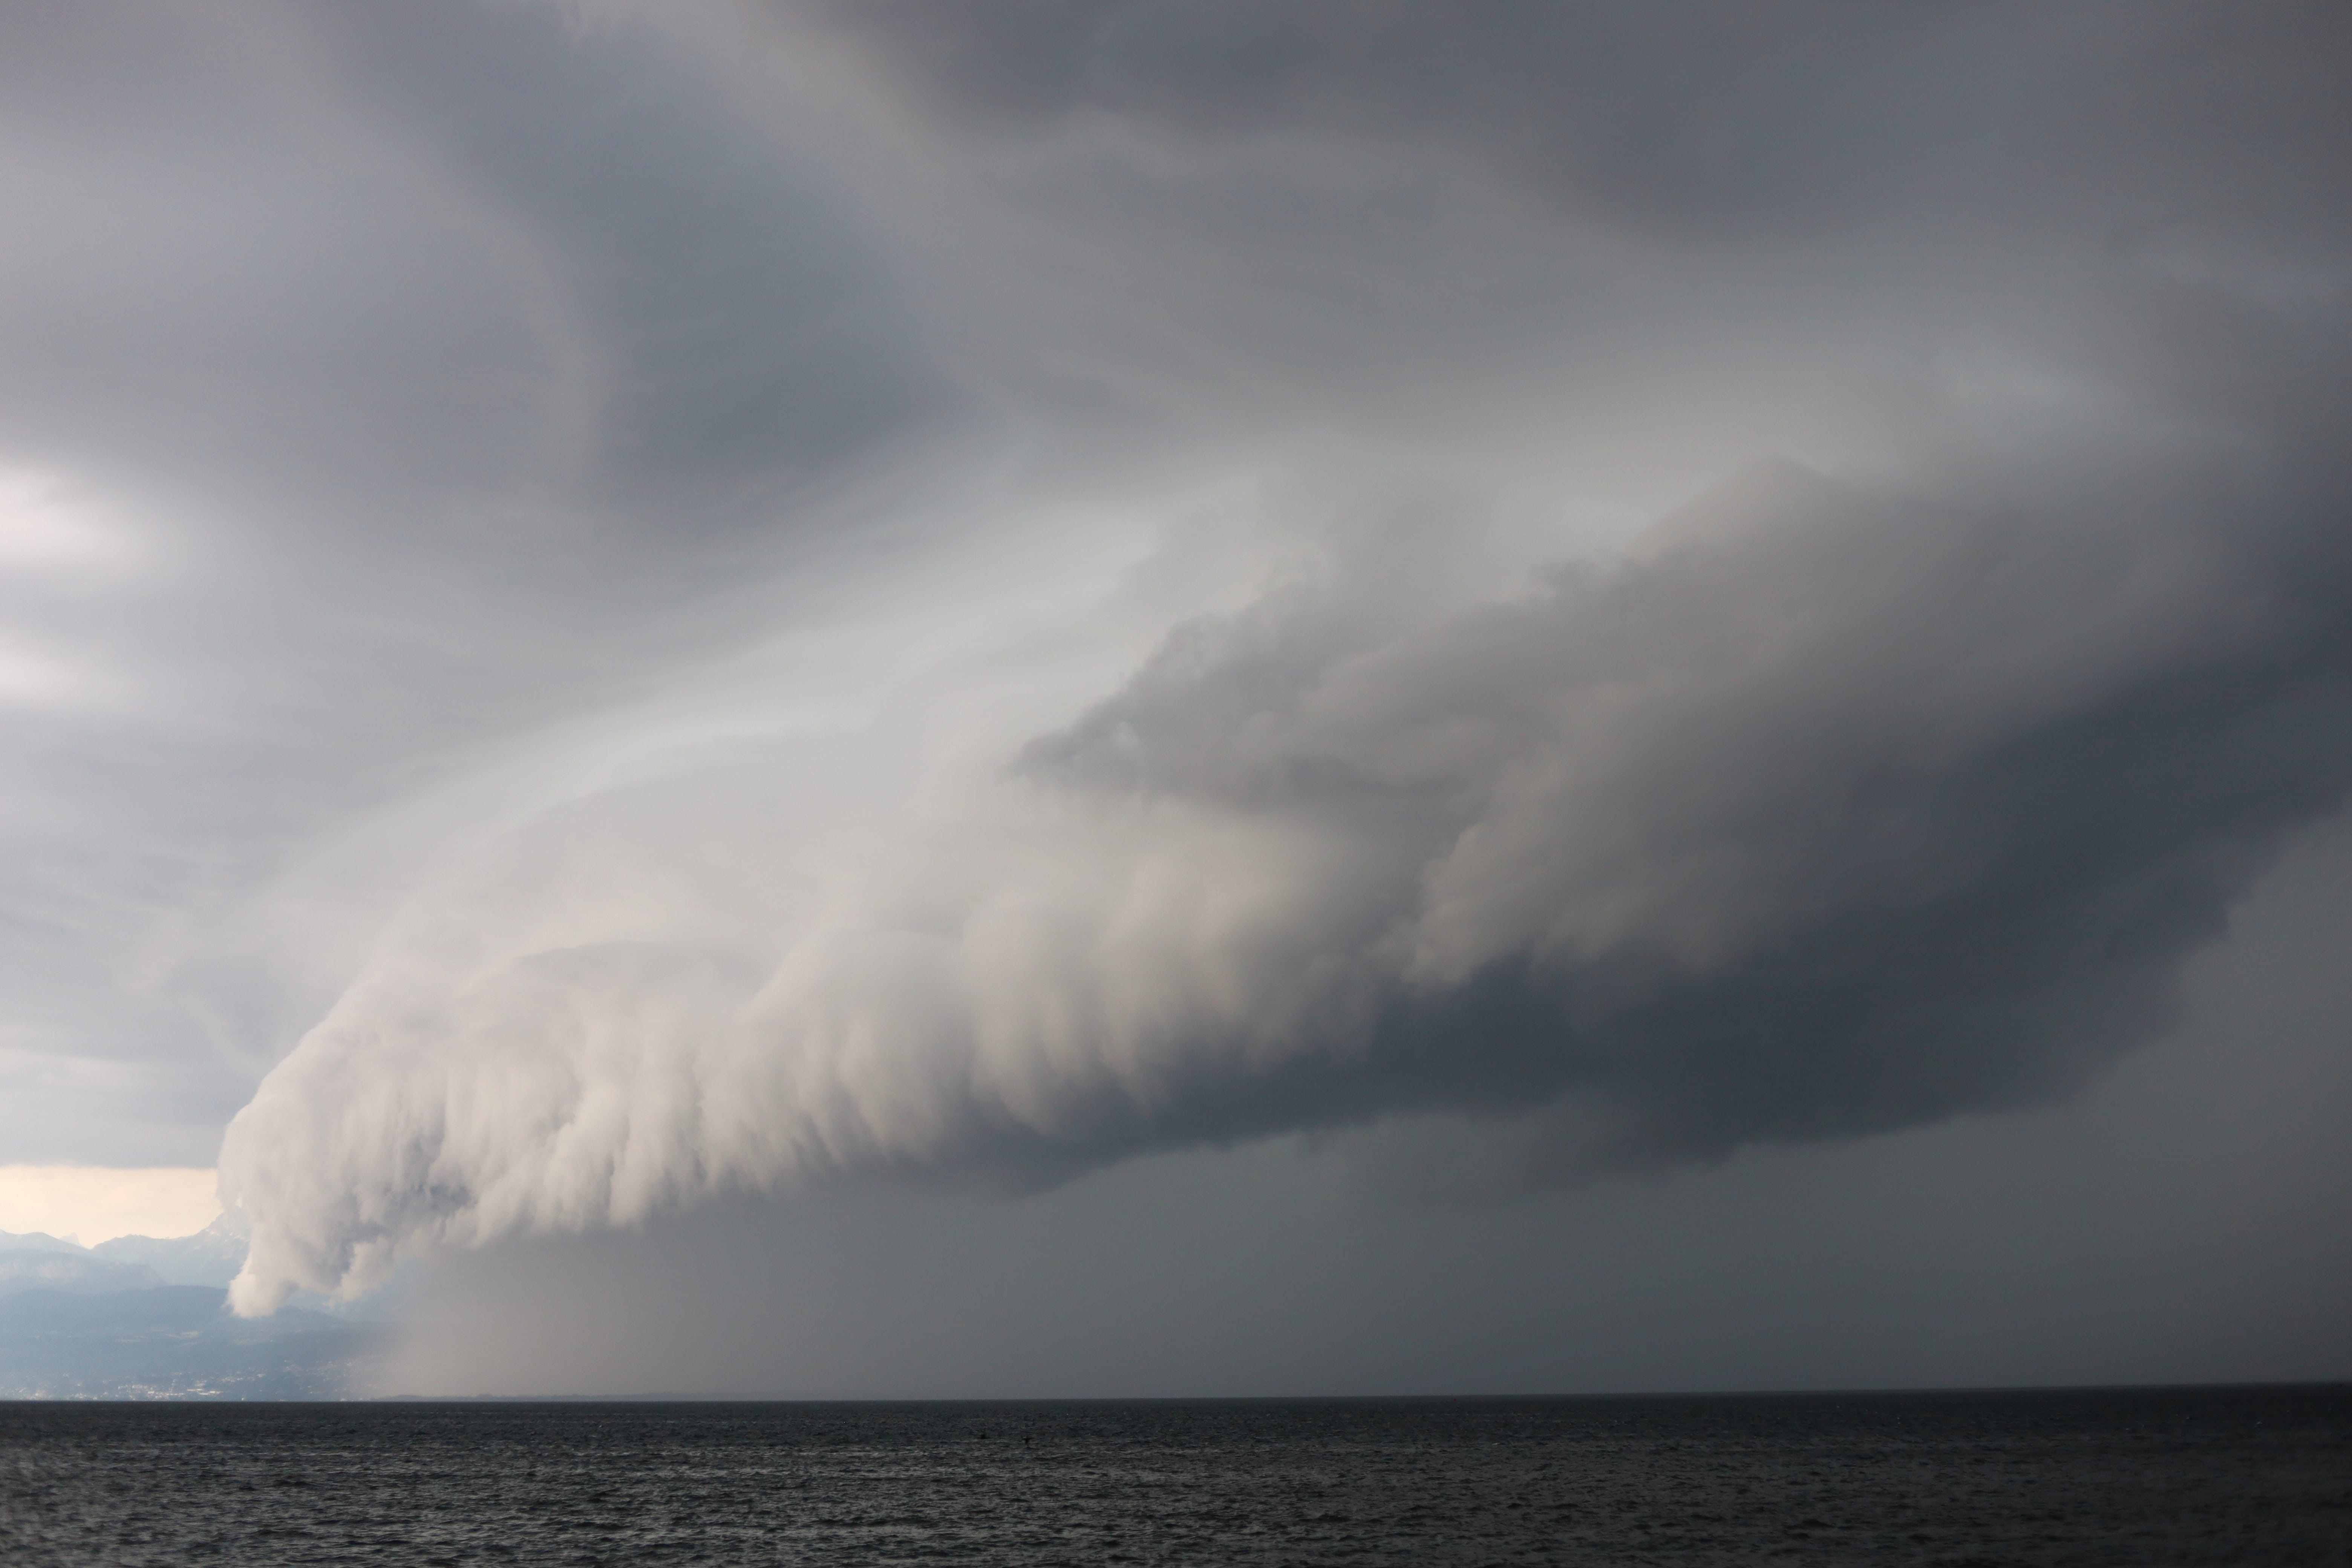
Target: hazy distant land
{"x": 146, "y": 1318}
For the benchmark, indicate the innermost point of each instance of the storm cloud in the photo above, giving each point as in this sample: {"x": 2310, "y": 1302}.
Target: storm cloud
{"x": 611, "y": 605}
{"x": 1820, "y": 813}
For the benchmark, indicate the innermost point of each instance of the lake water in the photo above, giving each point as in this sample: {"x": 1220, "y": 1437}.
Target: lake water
{"x": 2124, "y": 1477}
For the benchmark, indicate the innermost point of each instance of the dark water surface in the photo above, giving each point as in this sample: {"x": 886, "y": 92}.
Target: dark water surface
{"x": 2147, "y": 1476}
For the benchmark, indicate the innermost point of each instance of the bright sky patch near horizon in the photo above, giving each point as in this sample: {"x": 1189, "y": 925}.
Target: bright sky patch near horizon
{"x": 87, "y": 1205}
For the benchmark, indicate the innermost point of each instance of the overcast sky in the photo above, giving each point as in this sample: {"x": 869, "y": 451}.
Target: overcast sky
{"x": 1169, "y": 696}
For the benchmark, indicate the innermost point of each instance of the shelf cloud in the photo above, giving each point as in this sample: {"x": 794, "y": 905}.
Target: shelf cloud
{"x": 611, "y": 605}
{"x": 1820, "y": 812}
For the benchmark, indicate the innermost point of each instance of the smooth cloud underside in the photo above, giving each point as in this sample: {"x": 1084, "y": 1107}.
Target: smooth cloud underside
{"x": 1821, "y": 812}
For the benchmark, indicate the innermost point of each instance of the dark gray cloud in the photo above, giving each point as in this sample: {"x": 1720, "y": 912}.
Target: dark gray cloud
{"x": 1859, "y": 815}
{"x": 1603, "y": 245}
{"x": 747, "y": 331}
{"x": 1710, "y": 121}
{"x": 1712, "y": 118}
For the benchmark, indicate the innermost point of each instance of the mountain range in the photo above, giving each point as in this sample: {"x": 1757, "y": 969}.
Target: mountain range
{"x": 142, "y": 1316}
